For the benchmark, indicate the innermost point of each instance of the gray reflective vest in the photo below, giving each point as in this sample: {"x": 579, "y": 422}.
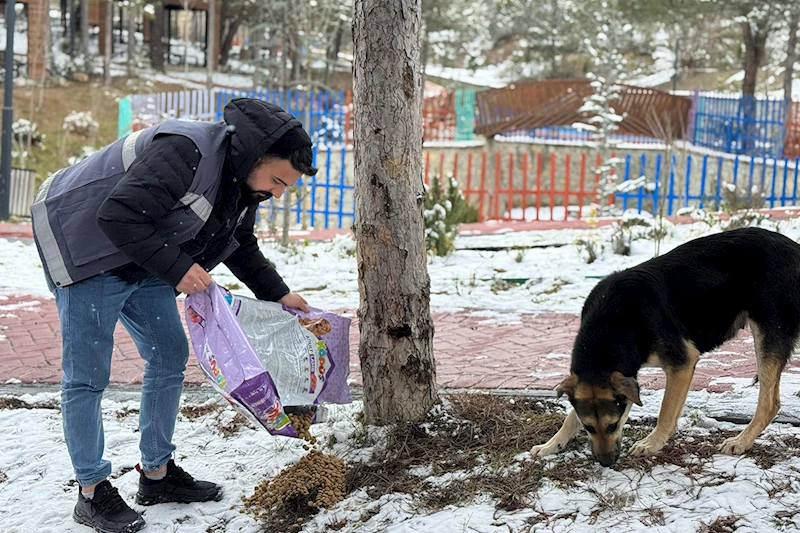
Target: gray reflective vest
{"x": 71, "y": 244}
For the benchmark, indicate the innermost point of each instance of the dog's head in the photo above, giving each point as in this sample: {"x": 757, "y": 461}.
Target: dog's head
{"x": 603, "y": 409}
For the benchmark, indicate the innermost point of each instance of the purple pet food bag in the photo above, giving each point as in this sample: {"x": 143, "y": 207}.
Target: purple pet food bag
{"x": 263, "y": 357}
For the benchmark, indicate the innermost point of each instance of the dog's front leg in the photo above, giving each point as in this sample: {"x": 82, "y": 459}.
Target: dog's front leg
{"x": 570, "y": 428}
{"x": 678, "y": 382}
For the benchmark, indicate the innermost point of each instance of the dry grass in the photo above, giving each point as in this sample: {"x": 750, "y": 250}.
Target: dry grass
{"x": 48, "y": 107}
{"x": 780, "y": 448}
{"x": 122, "y": 413}
{"x": 653, "y": 517}
{"x": 229, "y": 429}
{"x": 470, "y": 448}
{"x": 723, "y": 524}
{"x": 196, "y": 411}
{"x": 480, "y": 435}
{"x": 9, "y": 402}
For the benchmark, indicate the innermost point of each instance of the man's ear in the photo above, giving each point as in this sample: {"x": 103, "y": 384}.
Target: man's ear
{"x": 626, "y": 386}
{"x": 567, "y": 386}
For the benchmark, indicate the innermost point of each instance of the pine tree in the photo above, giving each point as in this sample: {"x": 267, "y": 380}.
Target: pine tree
{"x": 601, "y": 118}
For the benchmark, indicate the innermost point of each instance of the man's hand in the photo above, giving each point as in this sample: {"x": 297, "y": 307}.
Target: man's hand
{"x": 295, "y": 301}
{"x": 195, "y": 280}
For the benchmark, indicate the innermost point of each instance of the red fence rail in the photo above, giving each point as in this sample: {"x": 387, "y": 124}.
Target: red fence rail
{"x": 519, "y": 183}
{"x": 536, "y": 186}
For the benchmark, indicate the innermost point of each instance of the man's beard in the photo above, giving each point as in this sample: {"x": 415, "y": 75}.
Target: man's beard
{"x": 254, "y": 196}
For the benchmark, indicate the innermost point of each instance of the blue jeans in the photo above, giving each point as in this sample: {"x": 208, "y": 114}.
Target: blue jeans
{"x": 88, "y": 311}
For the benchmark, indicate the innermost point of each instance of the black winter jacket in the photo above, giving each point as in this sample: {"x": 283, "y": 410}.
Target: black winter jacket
{"x": 160, "y": 177}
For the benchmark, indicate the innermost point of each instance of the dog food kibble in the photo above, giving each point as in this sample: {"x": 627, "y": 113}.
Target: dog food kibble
{"x": 301, "y": 422}
{"x": 316, "y": 480}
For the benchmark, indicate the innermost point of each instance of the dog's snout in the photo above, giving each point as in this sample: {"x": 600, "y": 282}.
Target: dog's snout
{"x": 607, "y": 459}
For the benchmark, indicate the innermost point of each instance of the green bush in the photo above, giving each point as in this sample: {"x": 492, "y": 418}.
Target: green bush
{"x": 444, "y": 211}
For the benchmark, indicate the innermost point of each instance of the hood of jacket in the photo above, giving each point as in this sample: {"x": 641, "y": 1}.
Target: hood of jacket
{"x": 253, "y": 127}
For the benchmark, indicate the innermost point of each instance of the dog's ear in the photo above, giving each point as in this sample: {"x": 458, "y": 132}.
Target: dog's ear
{"x": 567, "y": 386}
{"x": 626, "y": 386}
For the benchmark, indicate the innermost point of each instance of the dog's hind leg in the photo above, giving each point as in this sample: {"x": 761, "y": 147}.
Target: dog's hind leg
{"x": 678, "y": 382}
{"x": 570, "y": 428}
{"x": 770, "y": 366}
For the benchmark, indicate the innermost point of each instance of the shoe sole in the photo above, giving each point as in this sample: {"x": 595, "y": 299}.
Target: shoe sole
{"x": 163, "y": 498}
{"x": 131, "y": 528}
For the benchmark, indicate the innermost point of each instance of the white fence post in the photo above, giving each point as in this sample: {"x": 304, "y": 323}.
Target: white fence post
{"x": 22, "y": 191}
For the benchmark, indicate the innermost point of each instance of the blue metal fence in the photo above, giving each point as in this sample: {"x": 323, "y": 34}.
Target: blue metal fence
{"x": 706, "y": 182}
{"x": 740, "y": 124}
{"x": 324, "y": 114}
{"x": 703, "y": 181}
{"x": 326, "y": 200}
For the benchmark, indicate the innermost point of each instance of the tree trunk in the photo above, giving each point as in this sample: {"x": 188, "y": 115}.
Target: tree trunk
{"x": 157, "y": 38}
{"x": 229, "y": 32}
{"x": 332, "y": 52}
{"x": 754, "y": 45}
{"x": 396, "y": 346}
{"x": 424, "y": 60}
{"x": 211, "y": 43}
{"x": 791, "y": 54}
{"x": 296, "y": 51}
{"x": 132, "y": 13}
{"x": 553, "y": 32}
{"x": 186, "y": 17}
{"x": 109, "y": 33}
{"x": 85, "y": 30}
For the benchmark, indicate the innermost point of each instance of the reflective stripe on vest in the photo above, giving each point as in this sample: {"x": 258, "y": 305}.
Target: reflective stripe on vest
{"x": 54, "y": 261}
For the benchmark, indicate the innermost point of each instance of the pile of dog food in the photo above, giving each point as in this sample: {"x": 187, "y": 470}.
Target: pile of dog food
{"x": 316, "y": 480}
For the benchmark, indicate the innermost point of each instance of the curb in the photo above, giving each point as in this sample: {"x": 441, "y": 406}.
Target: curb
{"x": 198, "y": 394}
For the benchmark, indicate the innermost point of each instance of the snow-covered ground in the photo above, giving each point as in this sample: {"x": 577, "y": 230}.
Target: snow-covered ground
{"x": 37, "y": 494}
{"x": 544, "y": 271}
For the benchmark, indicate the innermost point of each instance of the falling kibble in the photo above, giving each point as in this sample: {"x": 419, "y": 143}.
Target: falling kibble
{"x": 301, "y": 422}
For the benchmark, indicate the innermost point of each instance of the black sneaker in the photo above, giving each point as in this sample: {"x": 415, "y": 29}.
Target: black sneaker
{"x": 177, "y": 486}
{"x": 107, "y": 512}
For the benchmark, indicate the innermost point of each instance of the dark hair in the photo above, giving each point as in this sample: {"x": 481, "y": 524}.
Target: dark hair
{"x": 300, "y": 160}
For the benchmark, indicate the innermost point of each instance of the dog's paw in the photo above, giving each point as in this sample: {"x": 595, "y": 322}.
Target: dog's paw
{"x": 647, "y": 446}
{"x": 735, "y": 446}
{"x": 545, "y": 449}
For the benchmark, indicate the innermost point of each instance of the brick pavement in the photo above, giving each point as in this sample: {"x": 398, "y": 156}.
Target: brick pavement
{"x": 532, "y": 355}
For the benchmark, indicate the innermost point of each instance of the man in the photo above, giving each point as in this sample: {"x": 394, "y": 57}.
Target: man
{"x": 119, "y": 233}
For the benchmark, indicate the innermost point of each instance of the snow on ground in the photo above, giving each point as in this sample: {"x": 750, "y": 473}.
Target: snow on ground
{"x": 490, "y": 76}
{"x": 539, "y": 271}
{"x": 37, "y": 494}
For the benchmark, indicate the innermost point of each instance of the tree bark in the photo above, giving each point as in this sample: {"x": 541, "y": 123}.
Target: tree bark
{"x": 229, "y": 31}
{"x": 109, "y": 33}
{"x": 754, "y": 48}
{"x": 85, "y": 30}
{"x": 396, "y": 346}
{"x": 332, "y": 52}
{"x": 157, "y": 38}
{"x": 791, "y": 54}
{"x": 296, "y": 55}
{"x": 424, "y": 55}
{"x": 211, "y": 43}
{"x": 132, "y": 11}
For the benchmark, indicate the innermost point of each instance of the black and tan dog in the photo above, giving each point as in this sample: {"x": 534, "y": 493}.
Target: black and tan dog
{"x": 666, "y": 312}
